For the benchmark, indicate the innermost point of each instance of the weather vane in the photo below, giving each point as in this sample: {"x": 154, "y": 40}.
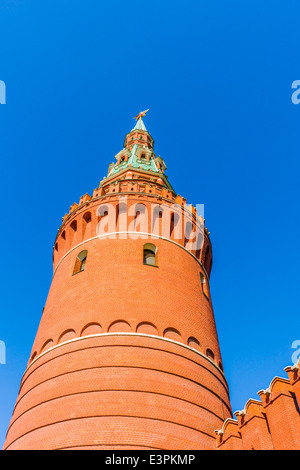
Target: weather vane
{"x": 141, "y": 114}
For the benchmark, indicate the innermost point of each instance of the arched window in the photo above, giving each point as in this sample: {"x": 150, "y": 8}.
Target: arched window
{"x": 74, "y": 225}
{"x": 149, "y": 254}
{"x": 172, "y": 333}
{"x": 86, "y": 225}
{"x": 172, "y": 224}
{"x": 210, "y": 354}
{"x": 87, "y": 217}
{"x": 80, "y": 262}
{"x": 204, "y": 285}
{"x": 73, "y": 230}
{"x": 157, "y": 214}
{"x": 193, "y": 343}
{"x": 188, "y": 232}
{"x": 207, "y": 259}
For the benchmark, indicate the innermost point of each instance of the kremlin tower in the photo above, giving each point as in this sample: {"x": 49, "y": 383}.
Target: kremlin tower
{"x": 126, "y": 355}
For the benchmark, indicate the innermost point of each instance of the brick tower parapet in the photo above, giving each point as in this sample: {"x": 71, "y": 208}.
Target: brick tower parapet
{"x": 126, "y": 355}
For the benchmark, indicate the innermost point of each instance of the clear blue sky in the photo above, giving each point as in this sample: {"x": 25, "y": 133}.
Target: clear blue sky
{"x": 217, "y": 78}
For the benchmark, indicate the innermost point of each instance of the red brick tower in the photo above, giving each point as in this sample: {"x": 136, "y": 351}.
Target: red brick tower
{"x": 126, "y": 355}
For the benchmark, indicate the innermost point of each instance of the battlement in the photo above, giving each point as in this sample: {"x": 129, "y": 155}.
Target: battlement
{"x": 149, "y": 209}
{"x": 270, "y": 424}
{"x": 132, "y": 183}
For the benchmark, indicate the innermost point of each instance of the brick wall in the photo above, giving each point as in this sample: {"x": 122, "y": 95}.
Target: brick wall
{"x": 126, "y": 354}
{"x": 270, "y": 424}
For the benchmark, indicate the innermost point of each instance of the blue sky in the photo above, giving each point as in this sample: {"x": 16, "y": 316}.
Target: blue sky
{"x": 217, "y": 78}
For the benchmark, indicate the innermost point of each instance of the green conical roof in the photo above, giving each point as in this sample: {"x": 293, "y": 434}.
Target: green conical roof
{"x": 134, "y": 162}
{"x": 140, "y": 126}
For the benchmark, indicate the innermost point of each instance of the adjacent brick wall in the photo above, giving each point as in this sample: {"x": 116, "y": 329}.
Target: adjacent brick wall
{"x": 271, "y": 424}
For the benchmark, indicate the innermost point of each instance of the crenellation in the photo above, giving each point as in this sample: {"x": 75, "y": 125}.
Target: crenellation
{"x": 84, "y": 199}
{"x": 272, "y": 423}
{"x": 73, "y": 207}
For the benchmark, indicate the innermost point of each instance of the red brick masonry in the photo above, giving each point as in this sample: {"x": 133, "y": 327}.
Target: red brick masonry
{"x": 272, "y": 423}
{"x": 126, "y": 355}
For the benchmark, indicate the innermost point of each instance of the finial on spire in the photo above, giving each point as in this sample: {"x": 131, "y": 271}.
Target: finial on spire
{"x": 140, "y": 115}
{"x": 139, "y": 121}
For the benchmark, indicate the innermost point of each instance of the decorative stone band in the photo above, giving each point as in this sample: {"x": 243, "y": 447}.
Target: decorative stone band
{"x": 151, "y": 235}
{"x": 126, "y": 334}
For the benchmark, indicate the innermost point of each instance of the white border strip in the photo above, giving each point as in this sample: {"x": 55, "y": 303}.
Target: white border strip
{"x": 73, "y": 340}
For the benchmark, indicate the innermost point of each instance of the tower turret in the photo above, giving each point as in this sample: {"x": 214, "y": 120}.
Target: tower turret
{"x": 126, "y": 355}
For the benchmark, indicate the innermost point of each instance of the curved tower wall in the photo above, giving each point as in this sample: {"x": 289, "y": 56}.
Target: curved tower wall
{"x": 126, "y": 354}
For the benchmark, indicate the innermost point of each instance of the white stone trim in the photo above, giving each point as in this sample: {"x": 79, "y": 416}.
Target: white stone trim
{"x": 73, "y": 340}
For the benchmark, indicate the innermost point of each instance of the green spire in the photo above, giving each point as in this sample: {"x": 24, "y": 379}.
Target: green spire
{"x": 140, "y": 126}
{"x": 137, "y": 152}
